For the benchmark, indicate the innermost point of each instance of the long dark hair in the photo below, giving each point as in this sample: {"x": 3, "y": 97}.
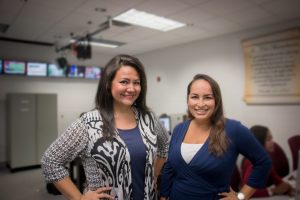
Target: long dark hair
{"x": 218, "y": 141}
{"x": 104, "y": 98}
{"x": 261, "y": 133}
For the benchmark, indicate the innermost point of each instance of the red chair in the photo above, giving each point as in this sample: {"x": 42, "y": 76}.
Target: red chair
{"x": 280, "y": 161}
{"x": 294, "y": 143}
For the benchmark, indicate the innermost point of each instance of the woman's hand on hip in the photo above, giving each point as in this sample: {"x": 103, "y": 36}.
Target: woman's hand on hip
{"x": 231, "y": 195}
{"x": 101, "y": 193}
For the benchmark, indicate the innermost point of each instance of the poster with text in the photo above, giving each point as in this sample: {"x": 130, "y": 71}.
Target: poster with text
{"x": 272, "y": 68}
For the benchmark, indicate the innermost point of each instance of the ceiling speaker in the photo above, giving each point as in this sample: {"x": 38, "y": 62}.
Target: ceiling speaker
{"x": 84, "y": 51}
{"x": 62, "y": 62}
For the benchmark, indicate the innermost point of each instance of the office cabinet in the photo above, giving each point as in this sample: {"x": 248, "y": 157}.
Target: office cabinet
{"x": 46, "y": 126}
{"x": 31, "y": 127}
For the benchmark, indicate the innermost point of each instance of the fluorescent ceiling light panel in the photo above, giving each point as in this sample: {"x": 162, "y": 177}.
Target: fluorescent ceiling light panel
{"x": 148, "y": 20}
{"x": 103, "y": 43}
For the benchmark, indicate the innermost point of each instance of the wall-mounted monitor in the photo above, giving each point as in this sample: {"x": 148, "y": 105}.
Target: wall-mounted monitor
{"x": 93, "y": 72}
{"x": 74, "y": 71}
{"x": 1, "y": 69}
{"x": 14, "y": 67}
{"x": 166, "y": 122}
{"x": 36, "y": 69}
{"x": 55, "y": 71}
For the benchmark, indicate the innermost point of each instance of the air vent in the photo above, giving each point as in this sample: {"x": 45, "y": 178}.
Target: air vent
{"x": 3, "y": 27}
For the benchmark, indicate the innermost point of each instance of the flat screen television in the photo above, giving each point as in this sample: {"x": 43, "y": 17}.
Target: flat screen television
{"x": 93, "y": 72}
{"x": 36, "y": 69}
{"x": 14, "y": 67}
{"x": 74, "y": 71}
{"x": 166, "y": 122}
{"x": 55, "y": 71}
{"x": 1, "y": 69}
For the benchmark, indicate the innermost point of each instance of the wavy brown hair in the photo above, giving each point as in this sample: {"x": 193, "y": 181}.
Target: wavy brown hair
{"x": 104, "y": 98}
{"x": 218, "y": 141}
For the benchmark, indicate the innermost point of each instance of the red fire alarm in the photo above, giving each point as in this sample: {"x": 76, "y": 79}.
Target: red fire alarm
{"x": 158, "y": 78}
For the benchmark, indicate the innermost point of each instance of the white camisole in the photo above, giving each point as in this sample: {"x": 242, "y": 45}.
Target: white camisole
{"x": 188, "y": 151}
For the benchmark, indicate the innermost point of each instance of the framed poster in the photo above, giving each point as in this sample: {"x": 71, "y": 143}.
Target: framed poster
{"x": 272, "y": 68}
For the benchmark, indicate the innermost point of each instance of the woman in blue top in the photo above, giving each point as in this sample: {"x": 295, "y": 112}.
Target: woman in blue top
{"x": 203, "y": 150}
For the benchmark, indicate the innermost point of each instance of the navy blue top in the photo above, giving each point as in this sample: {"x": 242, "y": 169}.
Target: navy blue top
{"x": 207, "y": 175}
{"x": 137, "y": 151}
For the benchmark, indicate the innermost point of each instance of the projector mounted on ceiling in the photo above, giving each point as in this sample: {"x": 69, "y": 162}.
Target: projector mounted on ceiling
{"x": 85, "y": 42}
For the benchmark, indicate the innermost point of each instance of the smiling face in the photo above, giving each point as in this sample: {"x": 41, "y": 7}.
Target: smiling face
{"x": 201, "y": 101}
{"x": 125, "y": 87}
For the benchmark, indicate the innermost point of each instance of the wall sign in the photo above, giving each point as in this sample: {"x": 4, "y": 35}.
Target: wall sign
{"x": 272, "y": 68}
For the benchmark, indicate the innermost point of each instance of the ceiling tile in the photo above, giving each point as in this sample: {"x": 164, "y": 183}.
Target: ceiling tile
{"x": 9, "y": 10}
{"x": 193, "y": 15}
{"x": 248, "y": 15}
{"x": 162, "y": 8}
{"x": 286, "y": 9}
{"x": 221, "y": 7}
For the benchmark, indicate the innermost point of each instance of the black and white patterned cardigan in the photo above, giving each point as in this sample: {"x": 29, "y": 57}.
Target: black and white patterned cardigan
{"x": 106, "y": 163}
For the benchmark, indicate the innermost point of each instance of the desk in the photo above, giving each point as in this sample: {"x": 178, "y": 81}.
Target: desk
{"x": 291, "y": 179}
{"x": 276, "y": 197}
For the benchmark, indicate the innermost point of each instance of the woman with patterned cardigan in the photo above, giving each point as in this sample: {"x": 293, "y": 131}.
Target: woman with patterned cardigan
{"x": 121, "y": 143}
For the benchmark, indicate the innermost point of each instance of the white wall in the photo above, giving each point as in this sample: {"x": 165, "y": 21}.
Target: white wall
{"x": 2, "y": 131}
{"x": 221, "y": 58}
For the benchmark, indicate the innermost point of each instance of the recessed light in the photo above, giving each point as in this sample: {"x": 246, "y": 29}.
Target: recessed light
{"x": 148, "y": 20}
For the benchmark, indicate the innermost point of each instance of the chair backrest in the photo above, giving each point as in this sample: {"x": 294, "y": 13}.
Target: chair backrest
{"x": 297, "y": 196}
{"x": 294, "y": 143}
{"x": 236, "y": 179}
{"x": 280, "y": 161}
